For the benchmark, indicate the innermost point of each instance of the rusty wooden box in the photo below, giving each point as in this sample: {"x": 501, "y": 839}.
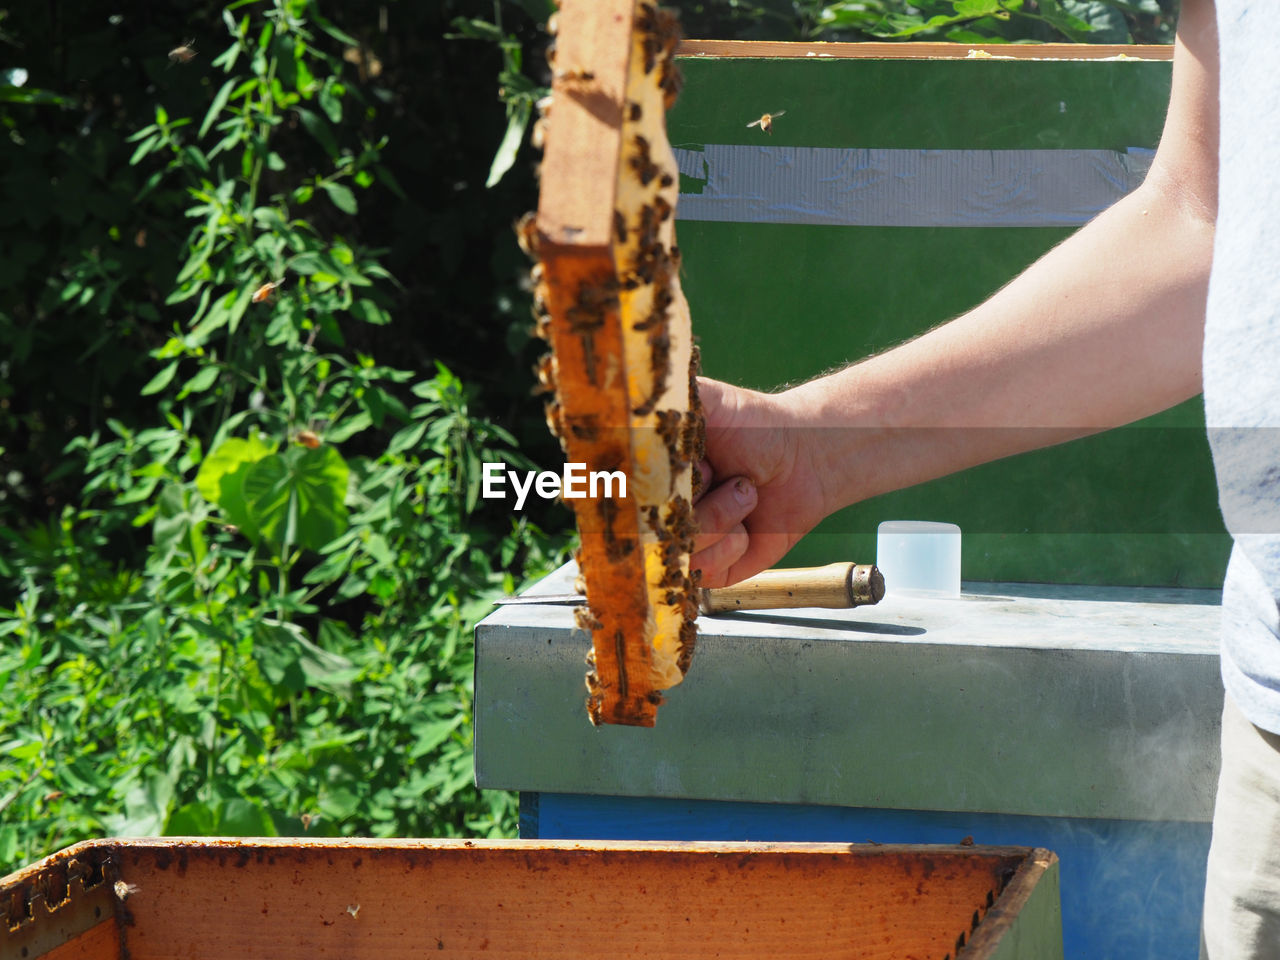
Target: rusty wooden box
{"x": 148, "y": 899}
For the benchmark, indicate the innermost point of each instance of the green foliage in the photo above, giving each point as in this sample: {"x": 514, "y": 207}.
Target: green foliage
{"x": 993, "y": 21}
{"x": 960, "y": 21}
{"x": 254, "y": 614}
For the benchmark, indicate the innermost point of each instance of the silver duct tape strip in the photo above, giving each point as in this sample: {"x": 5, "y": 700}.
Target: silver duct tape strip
{"x": 905, "y": 188}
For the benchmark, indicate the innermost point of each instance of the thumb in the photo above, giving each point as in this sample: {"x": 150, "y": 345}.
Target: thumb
{"x": 715, "y": 398}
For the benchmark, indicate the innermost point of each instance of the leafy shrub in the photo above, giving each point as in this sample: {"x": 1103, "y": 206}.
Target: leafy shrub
{"x": 291, "y": 649}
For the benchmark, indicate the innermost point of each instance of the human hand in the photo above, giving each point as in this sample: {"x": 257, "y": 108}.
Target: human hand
{"x": 761, "y": 492}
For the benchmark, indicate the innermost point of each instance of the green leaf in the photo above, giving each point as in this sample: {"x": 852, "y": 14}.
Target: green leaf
{"x": 220, "y": 479}
{"x": 227, "y": 59}
{"x": 296, "y": 497}
{"x": 26, "y": 751}
{"x": 201, "y": 382}
{"x": 269, "y": 218}
{"x": 328, "y": 27}
{"x": 197, "y": 259}
{"x": 348, "y": 427}
{"x": 341, "y": 196}
{"x": 311, "y": 261}
{"x": 196, "y": 158}
{"x": 407, "y": 438}
{"x": 141, "y": 134}
{"x": 144, "y": 148}
{"x": 160, "y": 380}
{"x": 1104, "y": 22}
{"x": 237, "y": 309}
{"x": 215, "y": 108}
{"x": 505, "y": 158}
{"x": 977, "y": 8}
{"x": 1057, "y": 14}
{"x": 192, "y": 820}
{"x": 370, "y": 312}
{"x": 337, "y": 803}
{"x": 290, "y": 660}
{"x": 428, "y": 736}
{"x": 238, "y": 817}
{"x": 227, "y": 458}
{"x": 11, "y": 94}
{"x": 318, "y": 127}
{"x": 474, "y": 29}
{"x": 331, "y": 100}
{"x": 334, "y": 566}
{"x": 146, "y": 809}
{"x": 179, "y": 524}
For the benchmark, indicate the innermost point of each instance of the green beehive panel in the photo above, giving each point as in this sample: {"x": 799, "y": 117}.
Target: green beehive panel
{"x": 789, "y": 276}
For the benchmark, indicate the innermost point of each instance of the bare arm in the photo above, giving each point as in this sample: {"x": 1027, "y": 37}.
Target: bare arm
{"x": 1104, "y": 329}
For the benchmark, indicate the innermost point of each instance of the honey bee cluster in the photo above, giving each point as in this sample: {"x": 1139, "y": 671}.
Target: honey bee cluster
{"x": 621, "y": 379}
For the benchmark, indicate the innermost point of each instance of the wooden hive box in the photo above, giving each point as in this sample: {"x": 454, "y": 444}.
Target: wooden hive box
{"x": 148, "y": 899}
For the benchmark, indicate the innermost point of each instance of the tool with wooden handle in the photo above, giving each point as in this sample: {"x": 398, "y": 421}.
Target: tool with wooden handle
{"x": 834, "y": 586}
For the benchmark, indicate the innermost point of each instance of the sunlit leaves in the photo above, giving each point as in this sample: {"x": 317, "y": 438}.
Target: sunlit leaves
{"x": 221, "y": 479}
{"x": 992, "y": 21}
{"x": 295, "y": 498}
{"x": 288, "y": 650}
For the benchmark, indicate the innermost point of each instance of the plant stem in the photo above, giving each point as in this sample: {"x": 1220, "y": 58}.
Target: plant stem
{"x": 267, "y": 107}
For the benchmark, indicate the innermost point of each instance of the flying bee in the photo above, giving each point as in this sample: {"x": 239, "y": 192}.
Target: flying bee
{"x": 124, "y": 890}
{"x": 308, "y": 438}
{"x": 765, "y": 122}
{"x": 264, "y": 291}
{"x": 183, "y": 54}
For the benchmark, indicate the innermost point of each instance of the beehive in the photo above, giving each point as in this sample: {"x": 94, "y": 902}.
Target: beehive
{"x": 154, "y": 899}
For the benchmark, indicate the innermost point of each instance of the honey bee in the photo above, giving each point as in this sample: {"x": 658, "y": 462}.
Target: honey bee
{"x": 538, "y": 136}
{"x": 765, "y": 122}
{"x": 183, "y": 54}
{"x": 307, "y": 438}
{"x": 527, "y": 233}
{"x": 265, "y": 291}
{"x": 354, "y": 910}
{"x": 575, "y": 75}
{"x": 124, "y": 890}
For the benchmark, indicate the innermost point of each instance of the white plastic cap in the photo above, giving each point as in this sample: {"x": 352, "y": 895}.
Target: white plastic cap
{"x": 919, "y": 558}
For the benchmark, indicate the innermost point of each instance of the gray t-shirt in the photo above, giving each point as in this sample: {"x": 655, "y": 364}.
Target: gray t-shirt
{"x": 1242, "y": 356}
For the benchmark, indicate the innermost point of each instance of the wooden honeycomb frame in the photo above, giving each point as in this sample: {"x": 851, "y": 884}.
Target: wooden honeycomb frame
{"x": 622, "y": 362}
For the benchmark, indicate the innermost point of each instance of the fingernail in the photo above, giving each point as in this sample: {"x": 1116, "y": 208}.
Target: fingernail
{"x": 743, "y": 491}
